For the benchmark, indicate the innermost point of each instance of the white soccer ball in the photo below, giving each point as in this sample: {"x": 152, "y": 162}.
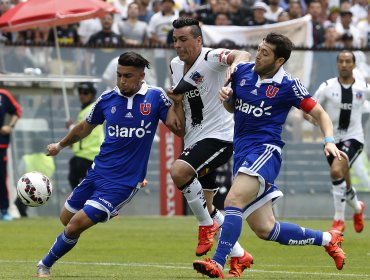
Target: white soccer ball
{"x": 34, "y": 189}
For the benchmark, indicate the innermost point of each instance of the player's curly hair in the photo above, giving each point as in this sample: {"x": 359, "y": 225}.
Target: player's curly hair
{"x": 133, "y": 59}
{"x": 186, "y": 21}
{"x": 283, "y": 45}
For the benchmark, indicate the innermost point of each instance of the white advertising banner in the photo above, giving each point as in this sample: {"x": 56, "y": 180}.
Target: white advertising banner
{"x": 299, "y": 31}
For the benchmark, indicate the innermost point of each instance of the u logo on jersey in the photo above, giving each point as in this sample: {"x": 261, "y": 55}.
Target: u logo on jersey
{"x": 271, "y": 91}
{"x": 145, "y": 108}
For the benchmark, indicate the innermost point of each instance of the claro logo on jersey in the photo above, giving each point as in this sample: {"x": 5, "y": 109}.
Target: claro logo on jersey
{"x": 257, "y": 111}
{"x": 129, "y": 132}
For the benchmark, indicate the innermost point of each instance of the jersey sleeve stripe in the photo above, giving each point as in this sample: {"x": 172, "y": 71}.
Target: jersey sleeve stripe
{"x": 301, "y": 88}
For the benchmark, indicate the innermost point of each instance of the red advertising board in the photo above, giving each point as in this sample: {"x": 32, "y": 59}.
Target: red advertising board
{"x": 170, "y": 148}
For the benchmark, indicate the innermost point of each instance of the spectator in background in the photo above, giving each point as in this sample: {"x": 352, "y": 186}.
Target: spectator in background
{"x": 66, "y": 35}
{"x": 145, "y": 12}
{"x": 295, "y": 9}
{"x": 206, "y": 15}
{"x": 333, "y": 17}
{"x": 318, "y": 31}
{"x": 5, "y": 5}
{"x": 364, "y": 29}
{"x": 222, "y": 19}
{"x": 8, "y": 106}
{"x": 273, "y": 10}
{"x": 283, "y": 16}
{"x": 346, "y": 26}
{"x": 238, "y": 12}
{"x": 159, "y": 26}
{"x": 331, "y": 40}
{"x": 87, "y": 148}
{"x": 133, "y": 30}
{"x": 97, "y": 58}
{"x": 122, "y": 7}
{"x": 359, "y": 10}
{"x": 258, "y": 15}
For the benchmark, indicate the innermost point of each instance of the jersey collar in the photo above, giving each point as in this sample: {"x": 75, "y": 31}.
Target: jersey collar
{"x": 142, "y": 90}
{"x": 277, "y": 78}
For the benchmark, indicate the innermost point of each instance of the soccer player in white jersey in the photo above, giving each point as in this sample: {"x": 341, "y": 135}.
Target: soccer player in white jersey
{"x": 131, "y": 112}
{"x": 198, "y": 73}
{"x": 261, "y": 95}
{"x": 343, "y": 97}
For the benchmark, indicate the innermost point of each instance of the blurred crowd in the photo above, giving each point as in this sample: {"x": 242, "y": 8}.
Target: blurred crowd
{"x": 336, "y": 23}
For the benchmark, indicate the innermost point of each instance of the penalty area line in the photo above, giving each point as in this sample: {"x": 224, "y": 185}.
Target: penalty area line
{"x": 174, "y": 266}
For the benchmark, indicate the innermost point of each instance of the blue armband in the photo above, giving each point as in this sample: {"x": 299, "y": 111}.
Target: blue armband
{"x": 329, "y": 139}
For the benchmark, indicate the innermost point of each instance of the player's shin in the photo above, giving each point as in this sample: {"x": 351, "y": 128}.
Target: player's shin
{"x": 62, "y": 245}
{"x": 292, "y": 234}
{"x": 231, "y": 230}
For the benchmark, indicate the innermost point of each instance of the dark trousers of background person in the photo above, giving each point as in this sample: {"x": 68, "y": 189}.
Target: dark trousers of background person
{"x": 4, "y": 193}
{"x": 77, "y": 170}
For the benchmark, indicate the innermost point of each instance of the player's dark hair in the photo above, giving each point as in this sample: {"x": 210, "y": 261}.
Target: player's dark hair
{"x": 347, "y": 51}
{"x": 283, "y": 45}
{"x": 133, "y": 59}
{"x": 186, "y": 21}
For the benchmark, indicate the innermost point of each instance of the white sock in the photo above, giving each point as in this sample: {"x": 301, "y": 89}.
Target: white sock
{"x": 351, "y": 198}
{"x": 326, "y": 237}
{"x": 237, "y": 250}
{"x": 197, "y": 203}
{"x": 339, "y": 191}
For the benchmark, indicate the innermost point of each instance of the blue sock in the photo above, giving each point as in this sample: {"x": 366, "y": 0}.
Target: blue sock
{"x": 62, "y": 245}
{"x": 292, "y": 234}
{"x": 230, "y": 232}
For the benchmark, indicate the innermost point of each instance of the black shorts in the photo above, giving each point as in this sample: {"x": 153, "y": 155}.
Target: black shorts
{"x": 351, "y": 147}
{"x": 205, "y": 156}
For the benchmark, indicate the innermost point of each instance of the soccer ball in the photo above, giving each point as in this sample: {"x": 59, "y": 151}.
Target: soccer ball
{"x": 34, "y": 189}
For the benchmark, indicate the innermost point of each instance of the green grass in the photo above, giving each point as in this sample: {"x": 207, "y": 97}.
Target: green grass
{"x": 164, "y": 248}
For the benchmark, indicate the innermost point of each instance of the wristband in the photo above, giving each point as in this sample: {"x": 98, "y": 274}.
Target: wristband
{"x": 329, "y": 139}
{"x": 58, "y": 147}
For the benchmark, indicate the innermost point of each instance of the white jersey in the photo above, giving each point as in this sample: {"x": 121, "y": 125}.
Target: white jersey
{"x": 206, "y": 117}
{"x": 329, "y": 95}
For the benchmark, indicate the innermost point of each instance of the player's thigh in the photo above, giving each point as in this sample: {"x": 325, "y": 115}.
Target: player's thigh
{"x": 206, "y": 155}
{"x": 243, "y": 191}
{"x": 351, "y": 147}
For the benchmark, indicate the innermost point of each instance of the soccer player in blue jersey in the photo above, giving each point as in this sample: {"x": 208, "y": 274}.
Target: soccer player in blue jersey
{"x": 261, "y": 95}
{"x": 131, "y": 112}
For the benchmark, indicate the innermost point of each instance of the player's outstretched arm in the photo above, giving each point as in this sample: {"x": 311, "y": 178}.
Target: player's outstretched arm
{"x": 176, "y": 115}
{"x": 326, "y": 126}
{"x": 233, "y": 60}
{"x": 80, "y": 131}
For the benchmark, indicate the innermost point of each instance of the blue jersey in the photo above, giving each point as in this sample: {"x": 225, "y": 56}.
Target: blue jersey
{"x": 130, "y": 127}
{"x": 262, "y": 106}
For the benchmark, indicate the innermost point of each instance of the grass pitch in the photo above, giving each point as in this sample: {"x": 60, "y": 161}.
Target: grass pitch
{"x": 164, "y": 248}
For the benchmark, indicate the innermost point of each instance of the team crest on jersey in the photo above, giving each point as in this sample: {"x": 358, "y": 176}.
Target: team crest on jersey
{"x": 197, "y": 77}
{"x": 242, "y": 82}
{"x": 254, "y": 92}
{"x": 271, "y": 91}
{"x": 358, "y": 95}
{"x": 145, "y": 108}
{"x": 113, "y": 110}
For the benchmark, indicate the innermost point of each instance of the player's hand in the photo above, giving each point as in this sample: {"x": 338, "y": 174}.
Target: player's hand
{"x": 53, "y": 149}
{"x": 225, "y": 93}
{"x": 331, "y": 149}
{"x": 6, "y": 130}
{"x": 177, "y": 98}
{"x": 144, "y": 183}
{"x": 229, "y": 75}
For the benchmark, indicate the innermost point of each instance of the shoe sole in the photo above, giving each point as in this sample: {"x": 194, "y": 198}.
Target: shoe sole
{"x": 199, "y": 267}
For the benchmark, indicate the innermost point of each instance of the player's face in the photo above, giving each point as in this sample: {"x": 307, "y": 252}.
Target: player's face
{"x": 266, "y": 62}
{"x": 187, "y": 47}
{"x": 345, "y": 65}
{"x": 129, "y": 79}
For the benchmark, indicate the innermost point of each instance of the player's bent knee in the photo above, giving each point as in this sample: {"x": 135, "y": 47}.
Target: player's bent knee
{"x": 181, "y": 173}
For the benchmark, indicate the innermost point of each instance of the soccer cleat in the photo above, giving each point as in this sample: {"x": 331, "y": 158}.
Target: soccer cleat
{"x": 6, "y": 216}
{"x": 208, "y": 267}
{"x": 239, "y": 264}
{"x": 42, "y": 270}
{"x": 358, "y": 219}
{"x": 338, "y": 225}
{"x": 334, "y": 248}
{"x": 206, "y": 236}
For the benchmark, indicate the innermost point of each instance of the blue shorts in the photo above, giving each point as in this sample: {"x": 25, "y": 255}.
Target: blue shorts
{"x": 263, "y": 162}
{"x": 101, "y": 194}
